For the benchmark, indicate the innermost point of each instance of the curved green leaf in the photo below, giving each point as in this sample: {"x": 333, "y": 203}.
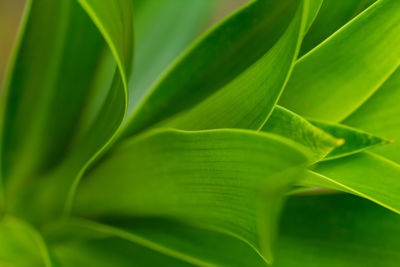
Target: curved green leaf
{"x": 21, "y": 245}
{"x": 36, "y": 123}
{"x": 366, "y": 175}
{"x": 290, "y": 125}
{"x": 189, "y": 244}
{"x": 337, "y": 230}
{"x": 83, "y": 245}
{"x": 332, "y": 15}
{"x": 339, "y": 75}
{"x": 354, "y": 140}
{"x": 163, "y": 29}
{"x": 227, "y": 180}
{"x": 114, "y": 21}
{"x": 381, "y": 115}
{"x": 213, "y": 61}
{"x": 247, "y": 100}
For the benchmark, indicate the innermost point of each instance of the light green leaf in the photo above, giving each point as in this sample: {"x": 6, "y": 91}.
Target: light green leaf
{"x": 230, "y": 181}
{"x": 339, "y": 75}
{"x": 354, "y": 140}
{"x": 337, "y": 230}
{"x": 290, "y": 125}
{"x": 332, "y": 15}
{"x": 163, "y": 29}
{"x": 366, "y": 175}
{"x": 21, "y": 245}
{"x": 229, "y": 56}
{"x": 381, "y": 115}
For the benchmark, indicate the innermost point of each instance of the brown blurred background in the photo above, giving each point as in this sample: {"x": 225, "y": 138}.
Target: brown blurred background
{"x": 10, "y": 14}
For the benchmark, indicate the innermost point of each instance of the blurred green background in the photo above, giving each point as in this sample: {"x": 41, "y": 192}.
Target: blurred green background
{"x": 11, "y": 11}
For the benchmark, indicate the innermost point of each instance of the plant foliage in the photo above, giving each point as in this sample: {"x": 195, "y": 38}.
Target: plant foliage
{"x": 125, "y": 142}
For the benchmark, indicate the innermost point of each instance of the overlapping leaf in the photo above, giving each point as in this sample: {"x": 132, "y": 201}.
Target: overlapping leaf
{"x": 229, "y": 181}
{"x": 354, "y": 140}
{"x": 192, "y": 245}
{"x": 334, "y": 79}
{"x": 290, "y": 125}
{"x": 42, "y": 75}
{"x": 366, "y": 175}
{"x": 87, "y": 245}
{"x": 163, "y": 29}
{"x": 324, "y": 139}
{"x": 380, "y": 115}
{"x": 21, "y": 245}
{"x": 331, "y": 17}
{"x": 228, "y": 68}
{"x": 41, "y": 111}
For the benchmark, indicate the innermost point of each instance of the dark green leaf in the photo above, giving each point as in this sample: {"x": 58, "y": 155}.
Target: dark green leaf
{"x": 216, "y": 59}
{"x": 46, "y": 88}
{"x": 337, "y": 230}
{"x": 331, "y": 17}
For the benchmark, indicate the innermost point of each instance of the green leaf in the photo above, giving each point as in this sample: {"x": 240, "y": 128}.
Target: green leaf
{"x": 84, "y": 244}
{"x": 381, "y": 115}
{"x": 337, "y": 230}
{"x": 290, "y": 125}
{"x": 163, "y": 29}
{"x": 114, "y": 20}
{"x": 192, "y": 245}
{"x": 65, "y": 66}
{"x": 21, "y": 245}
{"x": 224, "y": 61}
{"x": 354, "y": 140}
{"x": 247, "y": 101}
{"x": 36, "y": 123}
{"x": 331, "y": 17}
{"x": 230, "y": 181}
{"x": 366, "y": 175}
{"x": 339, "y": 75}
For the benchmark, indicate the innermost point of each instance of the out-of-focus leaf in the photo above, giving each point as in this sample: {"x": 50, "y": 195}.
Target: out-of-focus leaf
{"x": 332, "y": 15}
{"x": 354, "y": 140}
{"x": 163, "y": 29}
{"x": 367, "y": 175}
{"x": 114, "y": 21}
{"x": 226, "y": 180}
{"x": 230, "y": 56}
{"x": 46, "y": 88}
{"x": 290, "y": 125}
{"x": 337, "y": 230}
{"x": 190, "y": 244}
{"x": 334, "y": 79}
{"x": 381, "y": 115}
{"x": 21, "y": 245}
{"x": 83, "y": 245}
